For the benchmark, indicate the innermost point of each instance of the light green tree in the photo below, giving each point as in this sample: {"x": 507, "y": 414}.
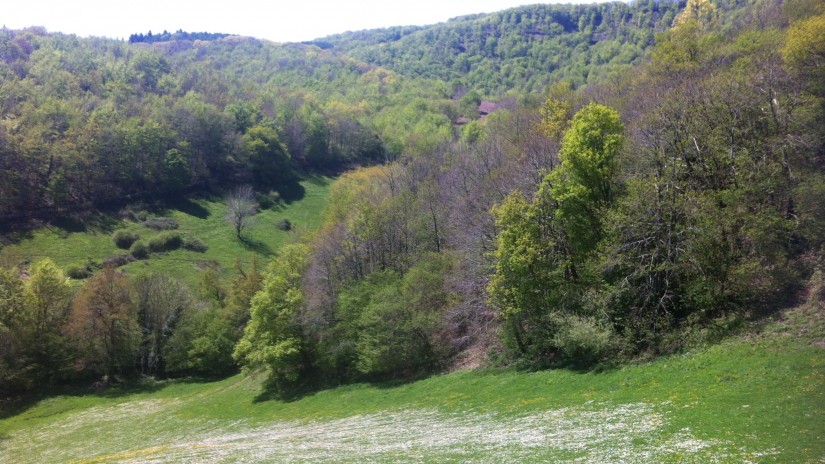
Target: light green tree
{"x": 272, "y": 339}
{"x": 48, "y": 297}
{"x": 544, "y": 245}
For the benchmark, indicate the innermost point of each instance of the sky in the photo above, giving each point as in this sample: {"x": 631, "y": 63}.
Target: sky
{"x": 284, "y": 21}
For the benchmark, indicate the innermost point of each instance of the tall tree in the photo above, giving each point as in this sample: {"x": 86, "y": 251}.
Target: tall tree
{"x": 104, "y": 323}
{"x": 543, "y": 247}
{"x": 272, "y": 340}
{"x": 48, "y": 297}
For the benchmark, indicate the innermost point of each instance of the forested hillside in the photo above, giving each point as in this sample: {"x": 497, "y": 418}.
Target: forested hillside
{"x": 649, "y": 179}
{"x": 524, "y": 48}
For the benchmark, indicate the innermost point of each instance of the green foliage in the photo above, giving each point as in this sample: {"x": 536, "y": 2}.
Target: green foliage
{"x": 161, "y": 303}
{"x": 583, "y": 340}
{"x": 267, "y": 156}
{"x": 84, "y": 271}
{"x": 804, "y": 50}
{"x": 103, "y": 324}
{"x": 14, "y": 371}
{"x": 543, "y": 248}
{"x": 525, "y": 48}
{"x": 205, "y": 339}
{"x": 272, "y": 340}
{"x": 194, "y": 244}
{"x": 139, "y": 250}
{"x": 124, "y": 238}
{"x": 166, "y": 241}
{"x": 390, "y": 322}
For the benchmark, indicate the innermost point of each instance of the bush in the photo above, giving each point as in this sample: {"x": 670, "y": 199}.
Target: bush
{"x": 166, "y": 241}
{"x": 583, "y": 340}
{"x": 124, "y": 238}
{"x": 78, "y": 272}
{"x": 139, "y": 250}
{"x": 194, "y": 244}
{"x": 82, "y": 272}
{"x": 118, "y": 260}
{"x": 161, "y": 223}
{"x": 284, "y": 225}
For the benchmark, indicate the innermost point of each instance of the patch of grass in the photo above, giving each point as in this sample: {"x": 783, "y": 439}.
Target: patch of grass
{"x": 748, "y": 399}
{"x": 161, "y": 223}
{"x": 201, "y": 218}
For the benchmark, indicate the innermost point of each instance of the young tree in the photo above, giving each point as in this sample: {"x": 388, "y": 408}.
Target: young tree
{"x": 161, "y": 301}
{"x": 272, "y": 339}
{"x": 240, "y": 209}
{"x": 104, "y": 323}
{"x": 543, "y": 246}
{"x": 47, "y": 300}
{"x": 12, "y": 371}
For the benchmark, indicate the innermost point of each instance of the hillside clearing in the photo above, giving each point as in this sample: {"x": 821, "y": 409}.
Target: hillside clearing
{"x": 202, "y": 218}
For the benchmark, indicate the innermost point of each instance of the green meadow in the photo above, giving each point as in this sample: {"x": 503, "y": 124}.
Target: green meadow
{"x": 752, "y": 398}
{"x": 74, "y": 244}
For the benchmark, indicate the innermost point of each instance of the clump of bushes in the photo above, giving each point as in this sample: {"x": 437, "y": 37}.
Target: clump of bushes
{"x": 124, "y": 238}
{"x": 139, "y": 250}
{"x": 84, "y": 271}
{"x": 284, "y": 225}
{"x": 194, "y": 244}
{"x": 161, "y": 223}
{"x": 166, "y": 241}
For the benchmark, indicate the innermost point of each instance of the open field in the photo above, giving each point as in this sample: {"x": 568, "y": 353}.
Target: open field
{"x": 202, "y": 218}
{"x": 759, "y": 398}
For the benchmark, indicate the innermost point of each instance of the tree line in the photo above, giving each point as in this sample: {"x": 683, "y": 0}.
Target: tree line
{"x": 180, "y": 34}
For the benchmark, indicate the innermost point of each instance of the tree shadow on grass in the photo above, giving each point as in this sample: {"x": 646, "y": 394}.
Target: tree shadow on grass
{"x": 291, "y": 192}
{"x": 317, "y": 180}
{"x": 88, "y": 222}
{"x": 187, "y": 206}
{"x": 18, "y": 404}
{"x": 257, "y": 246}
{"x": 310, "y": 388}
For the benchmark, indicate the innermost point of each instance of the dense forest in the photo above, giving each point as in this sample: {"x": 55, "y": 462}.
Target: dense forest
{"x": 651, "y": 179}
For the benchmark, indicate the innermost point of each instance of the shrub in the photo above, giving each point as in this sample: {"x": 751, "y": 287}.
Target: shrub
{"x": 284, "y": 225}
{"x": 118, "y": 260}
{"x": 194, "y": 244}
{"x": 83, "y": 271}
{"x": 583, "y": 340}
{"x": 161, "y": 223}
{"x": 124, "y": 238}
{"x": 139, "y": 250}
{"x": 78, "y": 272}
{"x": 166, "y": 241}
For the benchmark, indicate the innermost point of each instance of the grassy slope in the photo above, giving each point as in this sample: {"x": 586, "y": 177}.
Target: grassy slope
{"x": 748, "y": 399}
{"x": 201, "y": 218}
